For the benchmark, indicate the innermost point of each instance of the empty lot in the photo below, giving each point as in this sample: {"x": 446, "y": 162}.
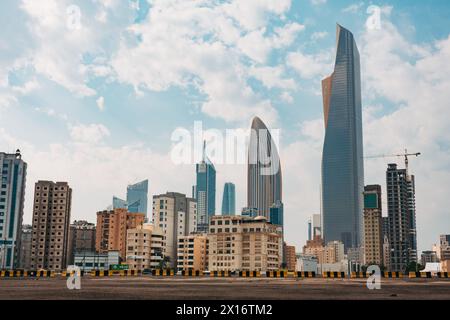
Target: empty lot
{"x": 221, "y": 288}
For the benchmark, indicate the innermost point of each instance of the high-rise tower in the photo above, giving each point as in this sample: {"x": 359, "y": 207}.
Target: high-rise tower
{"x": 342, "y": 157}
{"x": 229, "y": 199}
{"x": 137, "y": 197}
{"x": 13, "y": 172}
{"x": 264, "y": 178}
{"x": 402, "y": 217}
{"x": 205, "y": 192}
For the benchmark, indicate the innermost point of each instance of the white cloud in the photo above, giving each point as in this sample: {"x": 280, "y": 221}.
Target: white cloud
{"x": 318, "y": 2}
{"x": 353, "y": 8}
{"x": 310, "y": 66}
{"x": 90, "y": 134}
{"x": 286, "y": 97}
{"x": 101, "y": 103}
{"x": 272, "y": 77}
{"x": 319, "y": 35}
{"x": 206, "y": 47}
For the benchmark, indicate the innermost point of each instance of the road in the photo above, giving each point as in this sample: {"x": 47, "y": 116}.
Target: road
{"x": 222, "y": 288}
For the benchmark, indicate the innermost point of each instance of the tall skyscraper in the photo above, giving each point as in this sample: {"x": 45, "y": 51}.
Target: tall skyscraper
{"x": 402, "y": 217}
{"x": 314, "y": 228}
{"x": 206, "y": 192}
{"x": 264, "y": 179}
{"x": 51, "y": 219}
{"x": 373, "y": 226}
{"x": 137, "y": 197}
{"x": 176, "y": 215}
{"x": 13, "y": 171}
{"x": 229, "y": 199}
{"x": 342, "y": 157}
{"x": 276, "y": 213}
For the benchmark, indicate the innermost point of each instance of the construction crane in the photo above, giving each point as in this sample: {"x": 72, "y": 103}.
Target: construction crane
{"x": 405, "y": 155}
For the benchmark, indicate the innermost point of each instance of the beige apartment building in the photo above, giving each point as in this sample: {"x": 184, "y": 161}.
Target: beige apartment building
{"x": 51, "y": 219}
{"x": 112, "y": 226}
{"x": 238, "y": 243}
{"x": 176, "y": 215}
{"x": 373, "y": 241}
{"x": 290, "y": 257}
{"x": 332, "y": 253}
{"x": 144, "y": 247}
{"x": 192, "y": 252}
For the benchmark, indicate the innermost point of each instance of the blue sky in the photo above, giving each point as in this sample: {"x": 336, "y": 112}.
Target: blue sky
{"x": 95, "y": 103}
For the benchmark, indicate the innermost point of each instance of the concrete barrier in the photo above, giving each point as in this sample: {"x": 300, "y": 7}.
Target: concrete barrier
{"x": 275, "y": 274}
{"x": 219, "y": 274}
{"x": 355, "y": 275}
{"x": 306, "y": 274}
{"x": 394, "y": 274}
{"x": 333, "y": 275}
{"x": 163, "y": 272}
{"x": 413, "y": 275}
{"x": 442, "y": 275}
{"x": 192, "y": 273}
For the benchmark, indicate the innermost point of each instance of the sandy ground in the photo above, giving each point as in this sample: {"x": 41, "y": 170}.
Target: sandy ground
{"x": 222, "y": 288}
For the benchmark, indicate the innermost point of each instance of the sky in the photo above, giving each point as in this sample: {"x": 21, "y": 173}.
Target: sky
{"x": 91, "y": 92}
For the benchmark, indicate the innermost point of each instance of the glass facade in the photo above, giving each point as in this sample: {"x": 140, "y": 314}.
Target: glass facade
{"x": 264, "y": 180}
{"x": 229, "y": 199}
{"x": 276, "y": 213}
{"x": 137, "y": 197}
{"x": 342, "y": 157}
{"x": 119, "y": 203}
{"x": 205, "y": 193}
{"x": 12, "y": 193}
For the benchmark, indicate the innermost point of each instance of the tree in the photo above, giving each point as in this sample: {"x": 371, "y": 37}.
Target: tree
{"x": 164, "y": 262}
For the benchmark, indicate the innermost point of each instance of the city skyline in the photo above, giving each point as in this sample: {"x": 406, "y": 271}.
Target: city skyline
{"x": 114, "y": 127}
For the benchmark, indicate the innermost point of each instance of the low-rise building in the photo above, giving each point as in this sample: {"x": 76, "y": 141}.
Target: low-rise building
{"x": 307, "y": 263}
{"x": 81, "y": 238}
{"x": 144, "y": 247}
{"x": 238, "y": 243}
{"x": 88, "y": 261}
{"x": 428, "y": 257}
{"x": 192, "y": 252}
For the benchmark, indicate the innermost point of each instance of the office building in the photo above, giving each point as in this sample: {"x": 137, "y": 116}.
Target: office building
{"x": 314, "y": 228}
{"x": 249, "y": 212}
{"x": 239, "y": 243}
{"x": 119, "y": 203}
{"x": 290, "y": 258}
{"x": 373, "y": 226}
{"x": 25, "y": 247}
{"x": 13, "y": 171}
{"x": 137, "y": 197}
{"x": 112, "y": 227}
{"x": 192, "y": 252}
{"x": 229, "y": 199}
{"x": 51, "y": 220}
{"x": 264, "y": 178}
{"x": 81, "y": 239}
{"x": 276, "y": 213}
{"x": 342, "y": 156}
{"x": 176, "y": 215}
{"x": 402, "y": 217}
{"x": 205, "y": 192}
{"x": 144, "y": 247}
{"x": 331, "y": 253}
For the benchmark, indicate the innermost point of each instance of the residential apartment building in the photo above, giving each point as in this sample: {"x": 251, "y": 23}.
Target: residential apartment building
{"x": 240, "y": 243}
{"x": 25, "y": 247}
{"x": 331, "y": 253}
{"x": 144, "y": 247}
{"x": 290, "y": 258}
{"x": 13, "y": 171}
{"x": 51, "y": 219}
{"x": 444, "y": 247}
{"x": 176, "y": 215}
{"x": 112, "y": 226}
{"x": 373, "y": 226}
{"x": 81, "y": 239}
{"x": 192, "y": 252}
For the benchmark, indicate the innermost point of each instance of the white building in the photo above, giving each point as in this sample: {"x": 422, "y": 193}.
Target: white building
{"x": 88, "y": 261}
{"x": 176, "y": 215}
{"x": 307, "y": 263}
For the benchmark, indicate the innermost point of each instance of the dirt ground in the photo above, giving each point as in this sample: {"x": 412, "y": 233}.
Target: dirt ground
{"x": 222, "y": 288}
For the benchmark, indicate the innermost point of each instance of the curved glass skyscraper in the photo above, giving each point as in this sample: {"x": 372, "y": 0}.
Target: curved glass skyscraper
{"x": 264, "y": 170}
{"x": 137, "y": 197}
{"x": 342, "y": 157}
{"x": 229, "y": 199}
{"x": 205, "y": 192}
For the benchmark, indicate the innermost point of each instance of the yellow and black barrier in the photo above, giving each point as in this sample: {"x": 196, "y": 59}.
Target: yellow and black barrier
{"x": 413, "y": 275}
{"x": 101, "y": 273}
{"x": 355, "y": 275}
{"x": 192, "y": 273}
{"x": 219, "y": 274}
{"x": 249, "y": 274}
{"x": 306, "y": 274}
{"x": 66, "y": 274}
{"x": 128, "y": 273}
{"x": 275, "y": 274}
{"x": 163, "y": 272}
{"x": 394, "y": 274}
{"x": 442, "y": 275}
{"x": 333, "y": 274}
